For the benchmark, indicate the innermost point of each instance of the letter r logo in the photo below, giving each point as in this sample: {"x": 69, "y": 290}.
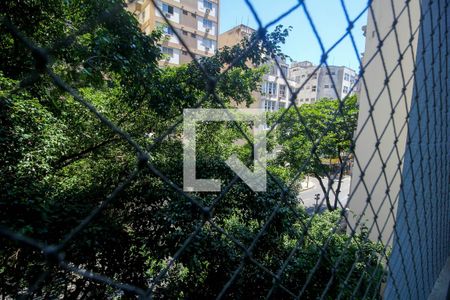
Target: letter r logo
{"x": 256, "y": 180}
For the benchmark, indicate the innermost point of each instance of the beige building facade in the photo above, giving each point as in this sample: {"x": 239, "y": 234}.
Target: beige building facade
{"x": 235, "y": 35}
{"x": 196, "y": 22}
{"x": 378, "y": 162}
{"x": 400, "y": 187}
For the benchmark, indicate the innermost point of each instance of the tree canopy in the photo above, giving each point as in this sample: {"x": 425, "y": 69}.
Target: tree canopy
{"x": 315, "y": 133}
{"x": 59, "y": 162}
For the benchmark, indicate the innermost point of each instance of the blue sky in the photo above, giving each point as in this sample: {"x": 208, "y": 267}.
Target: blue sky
{"x": 328, "y": 17}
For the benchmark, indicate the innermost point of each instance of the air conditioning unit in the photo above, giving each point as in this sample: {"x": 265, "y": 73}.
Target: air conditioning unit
{"x": 208, "y": 30}
{"x": 168, "y": 15}
{"x": 208, "y": 11}
{"x": 206, "y": 49}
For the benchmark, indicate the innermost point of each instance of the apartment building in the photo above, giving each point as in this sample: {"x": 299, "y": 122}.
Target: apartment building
{"x": 195, "y": 21}
{"x": 235, "y": 35}
{"x": 322, "y": 82}
{"x": 274, "y": 93}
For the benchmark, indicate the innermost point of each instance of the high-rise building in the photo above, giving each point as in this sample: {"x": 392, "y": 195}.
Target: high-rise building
{"x": 322, "y": 82}
{"x": 195, "y": 21}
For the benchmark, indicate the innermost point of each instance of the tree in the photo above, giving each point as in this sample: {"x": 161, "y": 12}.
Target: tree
{"x": 319, "y": 131}
{"x": 59, "y": 163}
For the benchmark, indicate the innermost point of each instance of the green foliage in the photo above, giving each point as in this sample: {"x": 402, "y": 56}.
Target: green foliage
{"x": 317, "y": 132}
{"x": 328, "y": 124}
{"x": 58, "y": 163}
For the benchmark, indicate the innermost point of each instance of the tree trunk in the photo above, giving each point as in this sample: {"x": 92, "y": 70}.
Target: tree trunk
{"x": 69, "y": 159}
{"x": 341, "y": 174}
{"x": 326, "y": 192}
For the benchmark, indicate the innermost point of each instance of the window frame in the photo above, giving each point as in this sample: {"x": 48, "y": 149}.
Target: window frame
{"x": 208, "y": 25}
{"x": 169, "y": 8}
{"x": 209, "y": 5}
{"x": 170, "y": 51}
{"x": 282, "y": 88}
{"x": 208, "y": 41}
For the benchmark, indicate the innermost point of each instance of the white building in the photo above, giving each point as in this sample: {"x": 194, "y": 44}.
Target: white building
{"x": 275, "y": 92}
{"x": 316, "y": 82}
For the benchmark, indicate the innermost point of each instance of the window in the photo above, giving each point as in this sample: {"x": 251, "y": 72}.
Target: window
{"x": 282, "y": 91}
{"x": 184, "y": 52}
{"x": 167, "y": 9}
{"x": 282, "y": 105}
{"x": 272, "y": 88}
{"x": 207, "y": 24}
{"x": 193, "y": 15}
{"x": 346, "y": 77}
{"x": 207, "y": 43}
{"x": 306, "y": 99}
{"x": 273, "y": 70}
{"x": 297, "y": 78}
{"x": 185, "y": 32}
{"x": 185, "y": 12}
{"x": 269, "y": 105}
{"x": 167, "y": 51}
{"x": 193, "y": 35}
{"x": 307, "y": 87}
{"x": 207, "y": 5}
{"x": 168, "y": 30}
{"x": 284, "y": 70}
{"x": 345, "y": 89}
{"x": 326, "y": 86}
{"x": 313, "y": 88}
{"x": 269, "y": 88}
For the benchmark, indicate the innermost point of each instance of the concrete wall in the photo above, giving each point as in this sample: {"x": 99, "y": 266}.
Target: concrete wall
{"x": 401, "y": 174}
{"x": 376, "y": 176}
{"x": 422, "y": 242}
